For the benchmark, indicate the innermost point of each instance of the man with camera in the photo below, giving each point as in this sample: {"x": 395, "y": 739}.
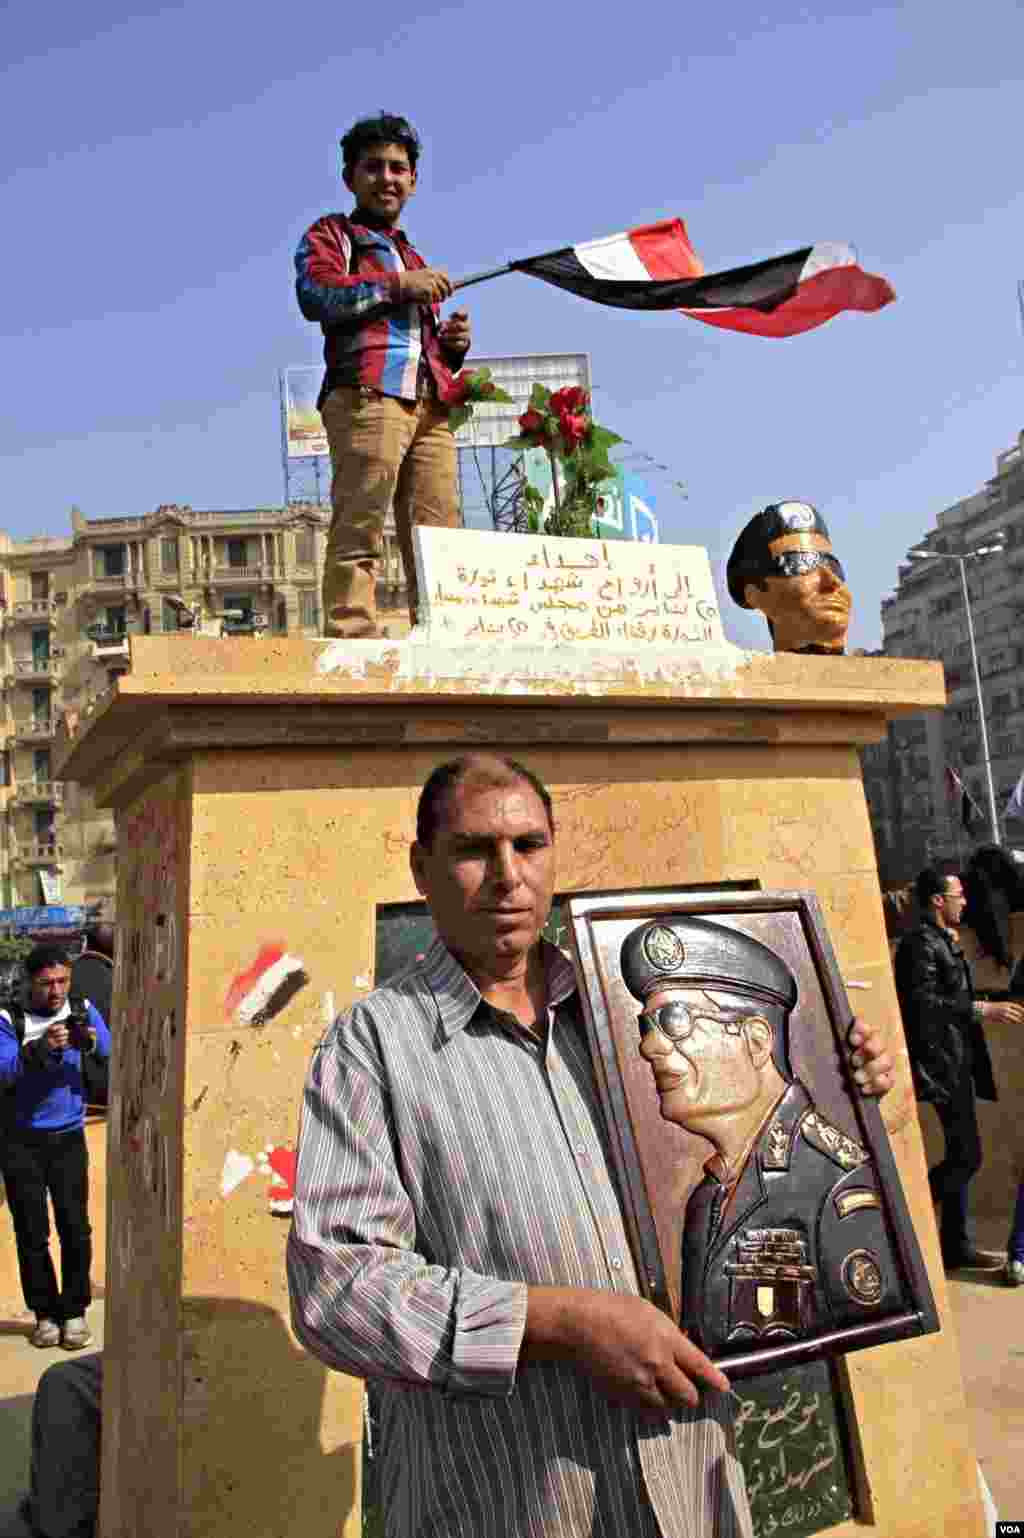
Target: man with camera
{"x": 42, "y": 1146}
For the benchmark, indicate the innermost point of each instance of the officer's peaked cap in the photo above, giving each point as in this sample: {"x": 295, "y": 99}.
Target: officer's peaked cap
{"x": 696, "y": 953}
{"x": 748, "y": 561}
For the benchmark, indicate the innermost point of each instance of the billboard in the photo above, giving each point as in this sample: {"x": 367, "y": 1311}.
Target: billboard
{"x": 625, "y": 505}
{"x": 493, "y": 425}
{"x": 303, "y": 430}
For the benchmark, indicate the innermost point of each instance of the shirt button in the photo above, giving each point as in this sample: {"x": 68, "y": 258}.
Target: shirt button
{"x": 616, "y": 1264}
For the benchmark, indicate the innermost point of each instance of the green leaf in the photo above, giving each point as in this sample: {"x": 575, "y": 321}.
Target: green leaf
{"x": 500, "y": 397}
{"x": 458, "y": 415}
{"x": 539, "y": 397}
{"x": 602, "y": 437}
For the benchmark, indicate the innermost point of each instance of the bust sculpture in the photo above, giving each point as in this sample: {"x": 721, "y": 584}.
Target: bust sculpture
{"x": 783, "y": 564}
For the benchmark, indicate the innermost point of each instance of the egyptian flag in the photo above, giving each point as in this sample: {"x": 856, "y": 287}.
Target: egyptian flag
{"x": 656, "y": 268}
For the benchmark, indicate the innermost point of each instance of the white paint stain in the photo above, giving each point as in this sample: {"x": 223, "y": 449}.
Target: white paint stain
{"x": 328, "y": 1007}
{"x": 363, "y": 981}
{"x": 696, "y": 670}
{"x": 237, "y": 1166}
{"x": 848, "y": 982}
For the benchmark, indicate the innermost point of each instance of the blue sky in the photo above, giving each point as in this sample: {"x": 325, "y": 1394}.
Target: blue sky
{"x": 160, "y": 164}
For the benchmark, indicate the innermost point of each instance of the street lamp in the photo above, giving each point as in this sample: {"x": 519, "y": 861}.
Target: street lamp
{"x": 961, "y": 560}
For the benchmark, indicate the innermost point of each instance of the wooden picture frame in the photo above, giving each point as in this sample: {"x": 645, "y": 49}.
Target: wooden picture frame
{"x": 798, "y": 1265}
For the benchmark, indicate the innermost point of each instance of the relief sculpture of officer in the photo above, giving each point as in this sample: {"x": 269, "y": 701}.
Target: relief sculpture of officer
{"x": 785, "y": 1237}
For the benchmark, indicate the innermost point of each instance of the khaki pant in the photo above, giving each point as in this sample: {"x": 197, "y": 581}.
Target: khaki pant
{"x": 384, "y": 452}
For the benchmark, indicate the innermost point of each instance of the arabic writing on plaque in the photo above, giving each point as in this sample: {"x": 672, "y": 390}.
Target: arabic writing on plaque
{"x": 537, "y": 591}
{"x": 790, "y": 1444}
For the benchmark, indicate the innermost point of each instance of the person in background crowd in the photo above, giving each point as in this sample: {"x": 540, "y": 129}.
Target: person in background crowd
{"x": 949, "y": 1055}
{"x": 64, "y": 1479}
{"x": 92, "y": 973}
{"x": 458, "y": 1236}
{"x": 43, "y": 1152}
{"x": 92, "y": 978}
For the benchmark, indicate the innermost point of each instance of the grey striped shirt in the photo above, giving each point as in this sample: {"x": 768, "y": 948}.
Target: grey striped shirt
{"x": 449, "y": 1158}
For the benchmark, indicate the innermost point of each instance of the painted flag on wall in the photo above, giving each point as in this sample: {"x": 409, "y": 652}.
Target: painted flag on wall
{"x": 655, "y": 268}
{"x": 1015, "y": 805}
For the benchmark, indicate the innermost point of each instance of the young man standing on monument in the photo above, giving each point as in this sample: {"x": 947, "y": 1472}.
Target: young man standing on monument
{"x": 389, "y": 365}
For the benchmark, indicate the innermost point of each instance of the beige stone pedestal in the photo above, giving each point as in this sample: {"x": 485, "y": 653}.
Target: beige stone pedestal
{"x": 265, "y": 796}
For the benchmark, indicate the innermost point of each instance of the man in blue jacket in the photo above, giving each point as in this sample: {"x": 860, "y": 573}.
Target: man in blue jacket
{"x": 42, "y": 1145}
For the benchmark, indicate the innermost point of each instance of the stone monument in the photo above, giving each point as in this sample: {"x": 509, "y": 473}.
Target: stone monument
{"x": 265, "y": 793}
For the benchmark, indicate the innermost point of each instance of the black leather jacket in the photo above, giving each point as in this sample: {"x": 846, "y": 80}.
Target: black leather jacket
{"x": 945, "y": 1039}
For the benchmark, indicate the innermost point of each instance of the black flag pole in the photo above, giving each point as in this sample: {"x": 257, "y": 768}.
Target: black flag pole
{"x": 496, "y": 272}
{"x": 481, "y": 277}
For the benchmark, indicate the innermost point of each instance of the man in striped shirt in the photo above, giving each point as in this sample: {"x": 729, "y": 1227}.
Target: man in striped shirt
{"x": 457, "y": 1234}
{"x": 389, "y": 370}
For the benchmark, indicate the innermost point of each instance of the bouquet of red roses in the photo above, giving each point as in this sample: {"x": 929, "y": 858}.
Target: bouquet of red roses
{"x": 468, "y": 388}
{"x": 561, "y": 424}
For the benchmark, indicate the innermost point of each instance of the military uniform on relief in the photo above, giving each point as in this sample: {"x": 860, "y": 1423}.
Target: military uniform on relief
{"x": 801, "y": 1247}
{"x": 798, "y": 1245}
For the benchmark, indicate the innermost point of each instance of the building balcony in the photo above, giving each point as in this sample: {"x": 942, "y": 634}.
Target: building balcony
{"x": 35, "y": 670}
{"x": 227, "y": 576}
{"x": 107, "y": 645}
{"x": 32, "y": 611}
{"x": 31, "y": 852}
{"x": 107, "y": 582}
{"x": 34, "y": 731}
{"x": 39, "y": 793}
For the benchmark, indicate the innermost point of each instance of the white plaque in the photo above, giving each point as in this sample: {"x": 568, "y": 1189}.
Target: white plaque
{"x": 544, "y": 591}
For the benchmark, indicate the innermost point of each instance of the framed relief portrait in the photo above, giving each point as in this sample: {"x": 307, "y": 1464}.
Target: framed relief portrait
{"x": 761, "y": 1193}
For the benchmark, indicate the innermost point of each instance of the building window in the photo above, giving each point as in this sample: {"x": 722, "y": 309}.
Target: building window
{"x": 41, "y": 706}
{"x": 304, "y": 547}
{"x": 308, "y": 616}
{"x": 109, "y": 560}
{"x": 169, "y": 619}
{"x": 41, "y": 765}
{"x": 168, "y": 556}
{"x": 40, "y": 581}
{"x": 282, "y": 617}
{"x": 116, "y": 621}
{"x": 236, "y": 552}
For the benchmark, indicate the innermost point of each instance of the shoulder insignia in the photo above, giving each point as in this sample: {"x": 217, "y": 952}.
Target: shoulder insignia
{"x": 827, "y": 1139}
{"x": 775, "y": 1155}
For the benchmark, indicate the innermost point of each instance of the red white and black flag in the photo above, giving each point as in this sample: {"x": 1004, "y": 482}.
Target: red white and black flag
{"x": 656, "y": 268}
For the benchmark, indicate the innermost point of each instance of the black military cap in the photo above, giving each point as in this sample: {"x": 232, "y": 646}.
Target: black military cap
{"x": 750, "y": 560}
{"x": 695, "y": 953}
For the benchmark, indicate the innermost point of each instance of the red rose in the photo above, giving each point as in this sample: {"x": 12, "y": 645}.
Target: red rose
{"x": 532, "y": 422}
{"x": 573, "y": 428}
{"x": 571, "y": 399}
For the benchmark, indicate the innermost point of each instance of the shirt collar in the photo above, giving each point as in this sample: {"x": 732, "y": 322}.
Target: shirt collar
{"x": 368, "y": 221}
{"x": 457, "y": 997}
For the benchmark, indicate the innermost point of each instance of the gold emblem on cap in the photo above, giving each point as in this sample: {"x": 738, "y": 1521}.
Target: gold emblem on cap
{"x": 664, "y": 949}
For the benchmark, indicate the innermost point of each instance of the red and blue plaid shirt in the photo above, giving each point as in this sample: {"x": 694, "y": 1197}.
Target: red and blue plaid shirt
{"x": 347, "y": 279}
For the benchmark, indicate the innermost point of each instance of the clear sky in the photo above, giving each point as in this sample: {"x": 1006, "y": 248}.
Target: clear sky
{"x": 160, "y": 163}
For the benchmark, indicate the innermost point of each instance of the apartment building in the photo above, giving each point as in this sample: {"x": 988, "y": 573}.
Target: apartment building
{"x": 69, "y": 608}
{"x": 914, "y": 818}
